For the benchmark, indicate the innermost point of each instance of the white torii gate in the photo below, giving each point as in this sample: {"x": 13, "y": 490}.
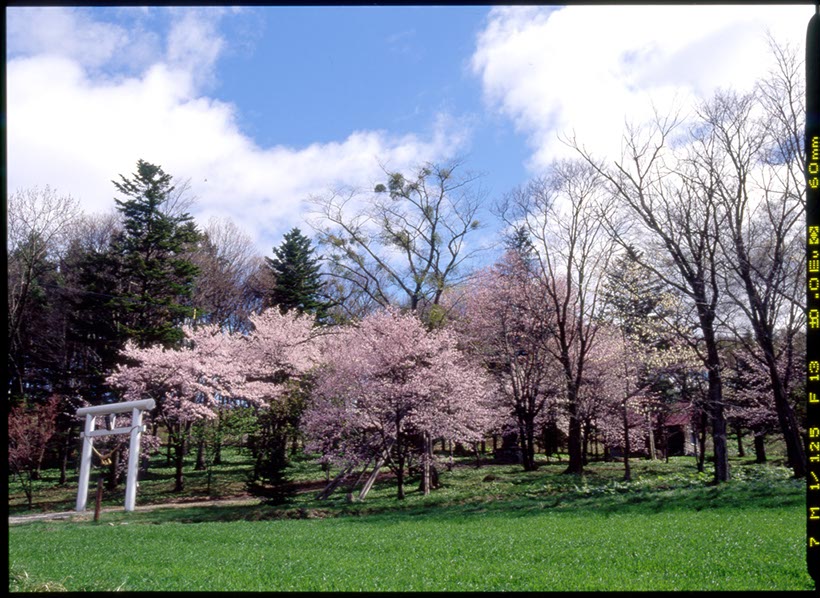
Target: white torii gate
{"x": 135, "y": 430}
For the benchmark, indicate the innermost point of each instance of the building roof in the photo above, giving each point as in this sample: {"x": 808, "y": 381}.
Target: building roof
{"x": 679, "y": 415}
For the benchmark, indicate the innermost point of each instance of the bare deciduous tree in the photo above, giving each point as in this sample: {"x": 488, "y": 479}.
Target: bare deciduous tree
{"x": 227, "y": 262}
{"x": 409, "y": 242}
{"x": 39, "y": 221}
{"x": 756, "y": 165}
{"x": 669, "y": 207}
{"x": 563, "y": 214}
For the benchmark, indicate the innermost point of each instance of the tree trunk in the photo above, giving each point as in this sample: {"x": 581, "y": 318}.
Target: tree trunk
{"x": 719, "y": 441}
{"x": 788, "y": 423}
{"x": 551, "y": 437}
{"x": 113, "y": 478}
{"x": 217, "y": 460}
{"x": 652, "y": 450}
{"x": 576, "y": 464}
{"x": 400, "y": 475}
{"x": 426, "y": 458}
{"x": 29, "y": 490}
{"x": 530, "y": 445}
{"x": 760, "y": 448}
{"x": 526, "y": 430}
{"x": 200, "y": 455}
{"x": 627, "y": 470}
{"x": 66, "y": 450}
{"x": 373, "y": 475}
{"x": 597, "y": 445}
{"x": 738, "y": 433}
{"x": 714, "y": 399}
{"x": 701, "y": 452}
{"x": 585, "y": 443}
{"x": 328, "y": 490}
{"x": 179, "y": 455}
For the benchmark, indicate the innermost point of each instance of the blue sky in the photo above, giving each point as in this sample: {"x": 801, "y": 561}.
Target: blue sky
{"x": 262, "y": 107}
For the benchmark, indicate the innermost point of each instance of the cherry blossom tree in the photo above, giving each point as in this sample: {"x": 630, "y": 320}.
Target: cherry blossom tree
{"x": 385, "y": 383}
{"x": 749, "y": 395}
{"x": 175, "y": 379}
{"x": 273, "y": 364}
{"x": 617, "y": 391}
{"x": 190, "y": 383}
{"x": 507, "y": 324}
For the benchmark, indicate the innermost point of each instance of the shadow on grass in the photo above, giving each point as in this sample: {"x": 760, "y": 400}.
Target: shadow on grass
{"x": 600, "y": 500}
{"x": 466, "y": 491}
{"x": 42, "y": 506}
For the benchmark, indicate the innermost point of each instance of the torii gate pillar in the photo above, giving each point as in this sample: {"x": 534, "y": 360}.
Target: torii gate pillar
{"x": 89, "y": 433}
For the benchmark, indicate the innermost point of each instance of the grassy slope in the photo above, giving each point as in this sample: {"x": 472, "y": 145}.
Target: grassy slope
{"x": 494, "y": 528}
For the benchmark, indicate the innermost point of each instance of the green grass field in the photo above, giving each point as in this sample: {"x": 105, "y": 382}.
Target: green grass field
{"x": 487, "y": 529}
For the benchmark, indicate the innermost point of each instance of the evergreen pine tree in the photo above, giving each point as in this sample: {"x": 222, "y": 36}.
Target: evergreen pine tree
{"x": 296, "y": 270}
{"x": 634, "y": 297}
{"x": 93, "y": 318}
{"x": 152, "y": 259}
{"x": 518, "y": 240}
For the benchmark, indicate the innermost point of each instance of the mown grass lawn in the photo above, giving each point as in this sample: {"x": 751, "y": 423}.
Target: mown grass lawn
{"x": 536, "y": 550}
{"x": 489, "y": 529}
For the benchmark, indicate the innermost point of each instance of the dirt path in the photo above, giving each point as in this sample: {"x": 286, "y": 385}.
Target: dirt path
{"x": 88, "y": 514}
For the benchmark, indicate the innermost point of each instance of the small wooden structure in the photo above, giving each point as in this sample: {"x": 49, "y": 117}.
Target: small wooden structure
{"x": 135, "y": 430}
{"x": 681, "y": 437}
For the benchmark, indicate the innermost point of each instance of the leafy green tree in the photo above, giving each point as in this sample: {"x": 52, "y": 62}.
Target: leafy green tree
{"x": 30, "y": 348}
{"x": 153, "y": 258}
{"x": 296, "y": 271}
{"x": 276, "y": 424}
{"x": 297, "y": 286}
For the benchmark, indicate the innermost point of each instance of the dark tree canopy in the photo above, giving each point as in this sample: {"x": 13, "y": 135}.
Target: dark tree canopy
{"x": 153, "y": 258}
{"x": 296, "y": 270}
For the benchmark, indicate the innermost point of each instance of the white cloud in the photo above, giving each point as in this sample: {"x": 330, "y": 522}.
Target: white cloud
{"x": 592, "y": 68}
{"x": 194, "y": 43}
{"x": 74, "y": 126}
{"x": 72, "y": 33}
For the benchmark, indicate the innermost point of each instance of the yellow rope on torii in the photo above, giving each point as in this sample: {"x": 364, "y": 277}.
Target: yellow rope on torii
{"x": 104, "y": 459}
